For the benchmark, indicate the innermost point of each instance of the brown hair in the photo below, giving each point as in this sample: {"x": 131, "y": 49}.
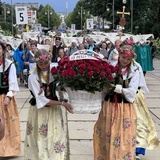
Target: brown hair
{"x": 3, "y": 55}
{"x": 38, "y": 54}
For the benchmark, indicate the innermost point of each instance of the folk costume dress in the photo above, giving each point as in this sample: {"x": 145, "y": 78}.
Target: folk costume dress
{"x": 115, "y": 130}
{"x": 147, "y": 137}
{"x": 10, "y": 145}
{"x": 46, "y": 131}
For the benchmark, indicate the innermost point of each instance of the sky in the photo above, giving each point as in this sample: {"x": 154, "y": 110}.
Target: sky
{"x": 58, "y": 5}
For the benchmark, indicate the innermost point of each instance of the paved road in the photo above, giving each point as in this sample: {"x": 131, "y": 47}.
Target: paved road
{"x": 80, "y": 127}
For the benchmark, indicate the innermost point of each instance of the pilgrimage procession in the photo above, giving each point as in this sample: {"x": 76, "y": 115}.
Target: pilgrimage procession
{"x": 80, "y": 80}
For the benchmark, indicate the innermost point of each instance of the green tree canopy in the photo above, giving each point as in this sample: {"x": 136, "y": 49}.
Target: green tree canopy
{"x": 48, "y": 18}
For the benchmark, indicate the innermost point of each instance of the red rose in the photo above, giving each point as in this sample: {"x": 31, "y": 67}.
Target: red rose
{"x": 61, "y": 68}
{"x": 96, "y": 69}
{"x": 109, "y": 71}
{"x": 114, "y": 69}
{"x": 68, "y": 65}
{"x": 102, "y": 68}
{"x": 63, "y": 61}
{"x": 89, "y": 68}
{"x": 54, "y": 70}
{"x": 72, "y": 73}
{"x": 110, "y": 77}
{"x": 106, "y": 65}
{"x": 64, "y": 74}
{"x": 94, "y": 63}
{"x": 102, "y": 74}
{"x": 81, "y": 71}
{"x": 75, "y": 64}
{"x": 82, "y": 66}
{"x": 90, "y": 73}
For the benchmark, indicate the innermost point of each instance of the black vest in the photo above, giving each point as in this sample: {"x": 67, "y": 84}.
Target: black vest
{"x": 115, "y": 97}
{"x": 52, "y": 95}
{"x": 4, "y": 84}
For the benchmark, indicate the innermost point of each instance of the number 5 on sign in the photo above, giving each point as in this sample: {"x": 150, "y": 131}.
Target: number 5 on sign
{"x": 21, "y": 15}
{"x": 89, "y": 23}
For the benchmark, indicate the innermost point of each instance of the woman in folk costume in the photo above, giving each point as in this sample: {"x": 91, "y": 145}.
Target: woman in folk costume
{"x": 115, "y": 130}
{"x": 147, "y": 137}
{"x": 45, "y": 134}
{"x": 10, "y": 144}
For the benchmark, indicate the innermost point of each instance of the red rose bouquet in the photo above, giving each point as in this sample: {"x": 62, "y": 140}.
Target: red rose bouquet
{"x": 84, "y": 74}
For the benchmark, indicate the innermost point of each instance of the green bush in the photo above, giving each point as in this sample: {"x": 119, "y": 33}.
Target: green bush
{"x": 7, "y": 28}
{"x": 155, "y": 30}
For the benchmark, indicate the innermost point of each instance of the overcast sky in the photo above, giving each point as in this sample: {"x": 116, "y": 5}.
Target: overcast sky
{"x": 58, "y": 5}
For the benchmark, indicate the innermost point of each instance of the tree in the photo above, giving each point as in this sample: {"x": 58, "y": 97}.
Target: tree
{"x": 52, "y": 18}
{"x": 146, "y": 14}
{"x": 75, "y": 17}
{"x": 68, "y": 19}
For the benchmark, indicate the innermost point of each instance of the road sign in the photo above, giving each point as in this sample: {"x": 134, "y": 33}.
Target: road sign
{"x": 89, "y": 23}
{"x": 21, "y": 15}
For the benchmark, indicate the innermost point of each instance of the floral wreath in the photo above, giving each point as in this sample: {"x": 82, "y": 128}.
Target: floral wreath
{"x": 42, "y": 57}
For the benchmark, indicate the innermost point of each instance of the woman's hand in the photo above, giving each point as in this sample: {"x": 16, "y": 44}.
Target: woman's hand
{"x": 118, "y": 89}
{"x": 68, "y": 107}
{"x": 6, "y": 102}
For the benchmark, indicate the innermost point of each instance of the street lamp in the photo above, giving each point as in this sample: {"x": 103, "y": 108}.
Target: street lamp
{"x": 112, "y": 4}
{"x": 81, "y": 12}
{"x": 6, "y": 11}
{"x": 48, "y": 13}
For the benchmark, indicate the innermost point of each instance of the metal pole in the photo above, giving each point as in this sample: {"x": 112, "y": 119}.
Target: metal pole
{"x": 12, "y": 16}
{"x": 113, "y": 13}
{"x": 4, "y": 13}
{"x": 81, "y": 18}
{"x": 48, "y": 16}
{"x": 131, "y": 4}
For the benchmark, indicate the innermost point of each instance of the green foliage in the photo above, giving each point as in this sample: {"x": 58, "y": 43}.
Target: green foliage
{"x": 53, "y": 17}
{"x": 146, "y": 14}
{"x": 157, "y": 43}
{"x": 156, "y": 30}
{"x": 68, "y": 20}
{"x": 7, "y": 28}
{"x": 75, "y": 16}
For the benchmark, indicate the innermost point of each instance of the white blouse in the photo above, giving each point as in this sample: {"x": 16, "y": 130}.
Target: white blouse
{"x": 13, "y": 83}
{"x": 131, "y": 91}
{"x": 34, "y": 86}
{"x": 142, "y": 81}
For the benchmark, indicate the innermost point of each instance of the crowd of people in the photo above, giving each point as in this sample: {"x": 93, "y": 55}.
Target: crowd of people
{"x": 120, "y": 131}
